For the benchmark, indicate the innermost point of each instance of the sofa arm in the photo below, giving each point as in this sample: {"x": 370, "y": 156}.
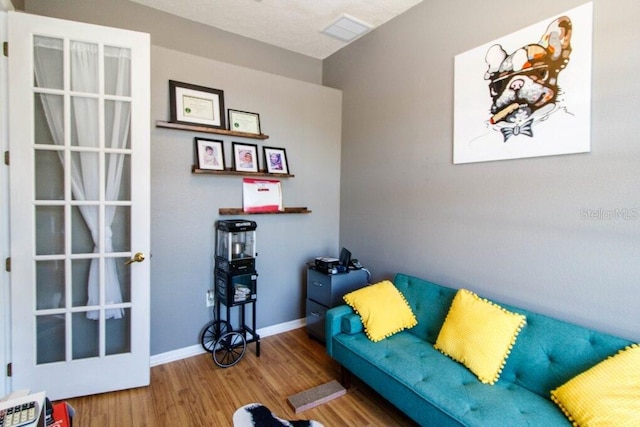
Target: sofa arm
{"x": 333, "y": 322}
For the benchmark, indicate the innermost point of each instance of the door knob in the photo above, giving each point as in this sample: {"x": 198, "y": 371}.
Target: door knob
{"x": 138, "y": 257}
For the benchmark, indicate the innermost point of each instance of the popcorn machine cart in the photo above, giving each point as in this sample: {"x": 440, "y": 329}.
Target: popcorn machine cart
{"x": 235, "y": 283}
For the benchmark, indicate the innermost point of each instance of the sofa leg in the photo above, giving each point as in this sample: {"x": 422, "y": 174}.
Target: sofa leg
{"x": 345, "y": 377}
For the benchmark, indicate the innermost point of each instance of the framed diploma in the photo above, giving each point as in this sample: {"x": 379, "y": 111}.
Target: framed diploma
{"x": 196, "y": 105}
{"x": 243, "y": 121}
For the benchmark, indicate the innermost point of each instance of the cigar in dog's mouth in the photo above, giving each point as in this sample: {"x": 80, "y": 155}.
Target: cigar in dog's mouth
{"x": 504, "y": 113}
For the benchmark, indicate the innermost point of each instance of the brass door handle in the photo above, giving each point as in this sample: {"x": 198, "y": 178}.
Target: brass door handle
{"x": 138, "y": 257}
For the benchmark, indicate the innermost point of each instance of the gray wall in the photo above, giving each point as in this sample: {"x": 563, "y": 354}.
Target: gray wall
{"x": 297, "y": 114}
{"x": 302, "y": 118}
{"x": 512, "y": 230}
{"x": 183, "y": 35}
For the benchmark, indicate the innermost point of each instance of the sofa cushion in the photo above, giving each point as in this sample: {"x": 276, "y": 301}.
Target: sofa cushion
{"x": 606, "y": 394}
{"x": 423, "y": 371}
{"x": 479, "y": 334}
{"x": 429, "y": 302}
{"x": 550, "y": 352}
{"x": 383, "y": 310}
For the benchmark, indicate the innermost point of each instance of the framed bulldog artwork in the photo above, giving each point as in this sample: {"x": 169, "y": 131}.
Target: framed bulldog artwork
{"x": 527, "y": 94}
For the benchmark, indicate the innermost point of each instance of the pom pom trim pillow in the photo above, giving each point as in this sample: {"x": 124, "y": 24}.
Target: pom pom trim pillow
{"x": 479, "y": 334}
{"x": 383, "y": 309}
{"x": 606, "y": 394}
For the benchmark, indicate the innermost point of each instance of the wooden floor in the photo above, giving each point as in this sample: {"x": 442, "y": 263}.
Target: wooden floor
{"x": 196, "y": 392}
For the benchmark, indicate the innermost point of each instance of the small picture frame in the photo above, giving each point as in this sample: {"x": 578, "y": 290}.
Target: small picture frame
{"x": 245, "y": 157}
{"x": 275, "y": 160}
{"x": 209, "y": 154}
{"x": 196, "y": 105}
{"x": 243, "y": 121}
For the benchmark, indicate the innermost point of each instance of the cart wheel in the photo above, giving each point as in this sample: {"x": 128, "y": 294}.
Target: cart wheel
{"x": 211, "y": 333}
{"x": 229, "y": 349}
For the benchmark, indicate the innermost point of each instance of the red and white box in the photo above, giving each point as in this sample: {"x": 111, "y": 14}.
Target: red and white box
{"x": 261, "y": 195}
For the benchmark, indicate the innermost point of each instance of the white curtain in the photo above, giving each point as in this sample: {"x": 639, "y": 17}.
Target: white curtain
{"x": 85, "y": 168}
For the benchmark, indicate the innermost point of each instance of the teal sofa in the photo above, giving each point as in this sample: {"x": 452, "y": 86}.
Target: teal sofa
{"x": 434, "y": 390}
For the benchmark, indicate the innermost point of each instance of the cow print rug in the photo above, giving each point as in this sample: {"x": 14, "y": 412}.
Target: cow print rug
{"x": 255, "y": 414}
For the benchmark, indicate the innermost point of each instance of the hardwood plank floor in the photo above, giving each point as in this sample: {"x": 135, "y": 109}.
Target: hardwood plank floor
{"x": 196, "y": 392}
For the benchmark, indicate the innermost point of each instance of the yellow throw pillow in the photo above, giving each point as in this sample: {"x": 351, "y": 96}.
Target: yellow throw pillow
{"x": 608, "y": 394}
{"x": 479, "y": 334}
{"x": 382, "y": 308}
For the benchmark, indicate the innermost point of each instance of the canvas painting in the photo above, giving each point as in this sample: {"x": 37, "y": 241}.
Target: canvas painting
{"x": 527, "y": 94}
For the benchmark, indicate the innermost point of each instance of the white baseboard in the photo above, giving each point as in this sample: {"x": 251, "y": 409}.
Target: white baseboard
{"x": 194, "y": 350}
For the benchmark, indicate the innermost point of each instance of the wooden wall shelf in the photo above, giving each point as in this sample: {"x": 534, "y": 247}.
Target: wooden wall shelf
{"x": 239, "y": 211}
{"x": 205, "y": 129}
{"x": 197, "y": 171}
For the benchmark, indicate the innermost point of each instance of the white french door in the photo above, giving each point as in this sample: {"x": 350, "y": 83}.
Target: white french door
{"x": 79, "y": 197}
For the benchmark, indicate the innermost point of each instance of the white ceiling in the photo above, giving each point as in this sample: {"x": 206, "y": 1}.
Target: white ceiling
{"x": 295, "y": 25}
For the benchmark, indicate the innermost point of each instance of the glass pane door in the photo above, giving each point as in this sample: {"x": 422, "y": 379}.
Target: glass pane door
{"x": 79, "y": 141}
{"x": 83, "y": 199}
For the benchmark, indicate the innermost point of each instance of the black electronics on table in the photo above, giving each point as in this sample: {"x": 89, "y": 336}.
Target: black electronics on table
{"x": 329, "y": 265}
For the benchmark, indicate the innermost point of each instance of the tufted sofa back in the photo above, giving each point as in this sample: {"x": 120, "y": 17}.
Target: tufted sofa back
{"x": 429, "y": 302}
{"x": 547, "y": 353}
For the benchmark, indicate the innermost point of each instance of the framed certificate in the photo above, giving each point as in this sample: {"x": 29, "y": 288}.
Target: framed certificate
{"x": 196, "y": 105}
{"x": 243, "y": 121}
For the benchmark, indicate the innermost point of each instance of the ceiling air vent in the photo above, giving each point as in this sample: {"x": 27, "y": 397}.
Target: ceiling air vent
{"x": 347, "y": 28}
